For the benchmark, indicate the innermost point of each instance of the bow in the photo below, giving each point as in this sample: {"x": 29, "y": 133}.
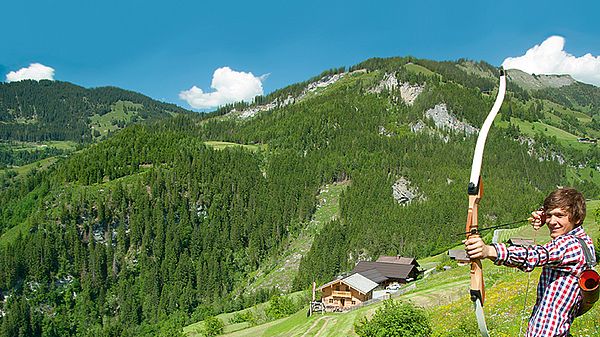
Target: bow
{"x": 475, "y": 191}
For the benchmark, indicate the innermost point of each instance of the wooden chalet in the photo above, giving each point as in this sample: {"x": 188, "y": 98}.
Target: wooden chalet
{"x": 386, "y": 273}
{"x": 345, "y": 293}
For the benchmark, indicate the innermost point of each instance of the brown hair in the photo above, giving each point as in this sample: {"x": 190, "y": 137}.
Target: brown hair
{"x": 570, "y": 200}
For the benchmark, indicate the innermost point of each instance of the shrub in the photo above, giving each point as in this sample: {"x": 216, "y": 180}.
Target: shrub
{"x": 396, "y": 319}
{"x": 213, "y": 326}
{"x": 244, "y": 316}
{"x": 280, "y": 306}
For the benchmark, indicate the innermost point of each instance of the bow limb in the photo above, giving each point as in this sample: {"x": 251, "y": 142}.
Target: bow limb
{"x": 475, "y": 191}
{"x": 485, "y": 128}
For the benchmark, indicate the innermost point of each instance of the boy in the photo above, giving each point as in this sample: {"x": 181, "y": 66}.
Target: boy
{"x": 562, "y": 260}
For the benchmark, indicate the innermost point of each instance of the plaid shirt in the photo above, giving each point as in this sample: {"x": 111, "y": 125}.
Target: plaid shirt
{"x": 558, "y": 294}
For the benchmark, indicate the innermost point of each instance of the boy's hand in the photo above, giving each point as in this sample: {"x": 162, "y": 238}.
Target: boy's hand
{"x": 538, "y": 219}
{"x": 477, "y": 249}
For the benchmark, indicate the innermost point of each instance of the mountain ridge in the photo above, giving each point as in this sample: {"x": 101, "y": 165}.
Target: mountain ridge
{"x": 55, "y": 110}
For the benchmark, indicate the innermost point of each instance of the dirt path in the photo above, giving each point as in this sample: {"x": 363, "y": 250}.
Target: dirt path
{"x": 324, "y": 326}
{"x": 326, "y": 318}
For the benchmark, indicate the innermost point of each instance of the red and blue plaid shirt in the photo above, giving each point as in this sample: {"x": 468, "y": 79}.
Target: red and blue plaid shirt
{"x": 558, "y": 294}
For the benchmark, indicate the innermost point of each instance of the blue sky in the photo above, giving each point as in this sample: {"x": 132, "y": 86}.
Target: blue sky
{"x": 163, "y": 48}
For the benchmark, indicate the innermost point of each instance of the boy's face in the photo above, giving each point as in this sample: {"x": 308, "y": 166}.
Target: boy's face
{"x": 559, "y": 222}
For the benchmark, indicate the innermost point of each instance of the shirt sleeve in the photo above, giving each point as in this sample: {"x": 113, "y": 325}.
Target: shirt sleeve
{"x": 562, "y": 253}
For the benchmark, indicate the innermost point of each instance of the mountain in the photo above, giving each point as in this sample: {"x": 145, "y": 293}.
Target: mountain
{"x": 55, "y": 110}
{"x": 171, "y": 221}
{"x": 537, "y": 82}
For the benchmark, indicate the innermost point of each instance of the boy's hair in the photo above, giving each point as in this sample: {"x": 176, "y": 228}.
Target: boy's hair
{"x": 570, "y": 200}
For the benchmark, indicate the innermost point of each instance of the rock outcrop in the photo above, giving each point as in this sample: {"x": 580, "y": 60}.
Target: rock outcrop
{"x": 404, "y": 193}
{"x": 408, "y": 92}
{"x": 311, "y": 87}
{"x": 443, "y": 119}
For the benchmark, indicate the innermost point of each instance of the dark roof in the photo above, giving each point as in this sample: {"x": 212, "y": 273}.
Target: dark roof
{"x": 398, "y": 259}
{"x": 374, "y": 275}
{"x": 458, "y": 254}
{"x": 389, "y": 270}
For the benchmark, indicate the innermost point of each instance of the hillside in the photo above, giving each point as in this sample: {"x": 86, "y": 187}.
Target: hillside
{"x": 169, "y": 222}
{"x": 46, "y": 110}
{"x": 444, "y": 296}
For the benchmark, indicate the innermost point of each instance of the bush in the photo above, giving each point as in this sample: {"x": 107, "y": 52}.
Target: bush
{"x": 244, "y": 316}
{"x": 281, "y": 306}
{"x": 213, "y": 326}
{"x": 396, "y": 319}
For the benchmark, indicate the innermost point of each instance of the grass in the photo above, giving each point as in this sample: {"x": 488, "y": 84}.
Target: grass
{"x": 41, "y": 164}
{"x": 578, "y": 175}
{"x": 530, "y": 129}
{"x": 120, "y": 111}
{"x": 38, "y": 165}
{"x": 218, "y": 145}
{"x": 66, "y": 145}
{"x": 582, "y": 117}
{"x": 13, "y": 233}
{"x": 280, "y": 271}
{"x": 418, "y": 69}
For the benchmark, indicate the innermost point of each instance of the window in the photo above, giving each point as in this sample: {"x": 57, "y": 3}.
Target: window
{"x": 353, "y": 302}
{"x": 331, "y": 300}
{"x": 337, "y": 288}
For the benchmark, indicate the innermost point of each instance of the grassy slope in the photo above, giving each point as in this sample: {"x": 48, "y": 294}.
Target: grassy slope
{"x": 104, "y": 123}
{"x": 32, "y": 146}
{"x": 581, "y": 174}
{"x": 529, "y": 129}
{"x": 22, "y": 228}
{"x": 444, "y": 295}
{"x": 43, "y": 163}
{"x": 418, "y": 69}
{"x": 218, "y": 145}
{"x": 280, "y": 271}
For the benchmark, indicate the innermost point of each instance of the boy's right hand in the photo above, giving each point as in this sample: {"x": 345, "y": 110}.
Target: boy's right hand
{"x": 538, "y": 219}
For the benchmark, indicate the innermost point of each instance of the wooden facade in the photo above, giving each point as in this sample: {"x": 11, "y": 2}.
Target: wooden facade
{"x": 343, "y": 294}
{"x": 340, "y": 296}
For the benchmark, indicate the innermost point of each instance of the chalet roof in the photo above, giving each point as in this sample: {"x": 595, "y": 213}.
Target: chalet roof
{"x": 355, "y": 281}
{"x": 520, "y": 242}
{"x": 398, "y": 259}
{"x": 459, "y": 255}
{"x": 389, "y": 270}
{"x": 374, "y": 275}
{"x": 360, "y": 283}
{"x": 330, "y": 283}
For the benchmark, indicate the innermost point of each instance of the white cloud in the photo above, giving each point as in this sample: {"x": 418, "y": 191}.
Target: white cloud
{"x": 230, "y": 86}
{"x": 35, "y": 71}
{"x": 550, "y": 58}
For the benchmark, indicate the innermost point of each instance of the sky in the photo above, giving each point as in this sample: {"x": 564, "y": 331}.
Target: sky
{"x": 202, "y": 54}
